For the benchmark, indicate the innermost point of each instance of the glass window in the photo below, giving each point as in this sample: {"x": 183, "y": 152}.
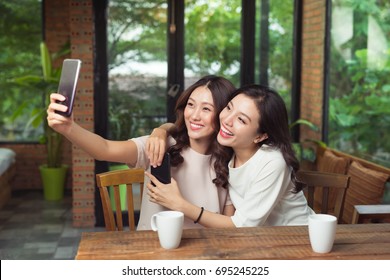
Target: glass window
{"x": 212, "y": 39}
{"x": 137, "y": 67}
{"x": 137, "y": 54}
{"x": 20, "y": 36}
{"x": 359, "y": 101}
{"x": 274, "y": 45}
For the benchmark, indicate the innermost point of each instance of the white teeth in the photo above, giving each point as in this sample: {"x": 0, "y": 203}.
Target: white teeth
{"x": 227, "y": 132}
{"x": 196, "y": 125}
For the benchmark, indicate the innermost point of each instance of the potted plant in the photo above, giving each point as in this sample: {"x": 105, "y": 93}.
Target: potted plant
{"x": 302, "y": 153}
{"x": 53, "y": 173}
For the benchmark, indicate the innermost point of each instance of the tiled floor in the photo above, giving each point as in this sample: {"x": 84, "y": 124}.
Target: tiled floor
{"x": 34, "y": 229}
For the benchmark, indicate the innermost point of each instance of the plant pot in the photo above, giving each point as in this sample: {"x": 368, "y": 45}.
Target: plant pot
{"x": 53, "y": 180}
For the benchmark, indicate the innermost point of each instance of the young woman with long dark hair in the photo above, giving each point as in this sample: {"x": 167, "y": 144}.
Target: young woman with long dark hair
{"x": 194, "y": 149}
{"x": 263, "y": 186}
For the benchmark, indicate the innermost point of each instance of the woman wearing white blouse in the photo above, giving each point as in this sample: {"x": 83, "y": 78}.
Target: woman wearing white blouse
{"x": 263, "y": 186}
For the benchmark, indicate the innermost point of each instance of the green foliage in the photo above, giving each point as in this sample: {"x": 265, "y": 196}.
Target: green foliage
{"x": 212, "y": 38}
{"x": 132, "y": 115}
{"x": 363, "y": 114}
{"x": 146, "y": 21}
{"x": 302, "y": 152}
{"x": 359, "y": 107}
{"x": 43, "y": 85}
{"x": 20, "y": 34}
{"x": 281, "y": 45}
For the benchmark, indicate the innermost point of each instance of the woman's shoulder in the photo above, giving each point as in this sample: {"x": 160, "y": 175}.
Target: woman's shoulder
{"x": 271, "y": 156}
{"x": 270, "y": 152}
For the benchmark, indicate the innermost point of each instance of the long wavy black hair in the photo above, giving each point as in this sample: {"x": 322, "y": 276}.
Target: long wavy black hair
{"x": 221, "y": 90}
{"x": 274, "y": 122}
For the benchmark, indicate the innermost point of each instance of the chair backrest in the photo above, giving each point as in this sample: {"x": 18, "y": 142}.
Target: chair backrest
{"x": 113, "y": 179}
{"x": 315, "y": 181}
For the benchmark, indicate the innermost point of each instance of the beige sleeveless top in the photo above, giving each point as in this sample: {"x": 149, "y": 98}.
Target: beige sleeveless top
{"x": 194, "y": 177}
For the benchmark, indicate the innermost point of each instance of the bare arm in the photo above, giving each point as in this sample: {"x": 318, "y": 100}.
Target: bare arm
{"x": 157, "y": 143}
{"x": 229, "y": 210}
{"x": 93, "y": 144}
{"x": 169, "y": 196}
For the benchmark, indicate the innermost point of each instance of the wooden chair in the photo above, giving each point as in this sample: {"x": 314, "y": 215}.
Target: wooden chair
{"x": 315, "y": 180}
{"x": 114, "y": 179}
{"x": 374, "y": 213}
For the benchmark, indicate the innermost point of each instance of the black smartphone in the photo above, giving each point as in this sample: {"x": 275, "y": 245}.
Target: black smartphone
{"x": 163, "y": 172}
{"x": 68, "y": 83}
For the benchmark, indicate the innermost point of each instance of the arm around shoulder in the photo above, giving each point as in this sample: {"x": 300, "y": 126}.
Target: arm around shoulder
{"x": 157, "y": 143}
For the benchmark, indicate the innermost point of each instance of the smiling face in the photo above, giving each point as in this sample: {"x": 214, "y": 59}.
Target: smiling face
{"x": 199, "y": 115}
{"x": 240, "y": 125}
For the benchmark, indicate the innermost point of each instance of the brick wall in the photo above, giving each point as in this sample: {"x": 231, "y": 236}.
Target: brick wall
{"x": 57, "y": 27}
{"x": 28, "y": 159}
{"x": 314, "y": 12}
{"x": 82, "y": 42}
{"x": 71, "y": 22}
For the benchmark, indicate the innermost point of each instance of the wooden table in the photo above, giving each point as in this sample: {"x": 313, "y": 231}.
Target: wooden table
{"x": 360, "y": 241}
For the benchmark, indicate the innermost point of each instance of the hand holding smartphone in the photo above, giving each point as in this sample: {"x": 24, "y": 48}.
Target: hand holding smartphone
{"x": 163, "y": 172}
{"x": 68, "y": 83}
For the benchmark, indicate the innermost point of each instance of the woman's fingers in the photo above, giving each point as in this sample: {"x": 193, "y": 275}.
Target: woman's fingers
{"x": 153, "y": 180}
{"x": 155, "y": 146}
{"x": 153, "y": 150}
{"x": 56, "y": 97}
{"x": 54, "y": 105}
{"x": 153, "y": 193}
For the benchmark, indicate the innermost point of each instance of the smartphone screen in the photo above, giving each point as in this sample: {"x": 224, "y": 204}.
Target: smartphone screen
{"x": 68, "y": 83}
{"x": 163, "y": 172}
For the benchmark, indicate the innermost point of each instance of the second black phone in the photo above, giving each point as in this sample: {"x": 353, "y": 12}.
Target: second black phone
{"x": 163, "y": 172}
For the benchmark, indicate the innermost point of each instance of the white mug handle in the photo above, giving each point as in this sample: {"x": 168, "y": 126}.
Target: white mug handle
{"x": 153, "y": 222}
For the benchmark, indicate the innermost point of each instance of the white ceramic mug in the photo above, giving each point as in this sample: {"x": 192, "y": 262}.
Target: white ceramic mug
{"x": 169, "y": 227}
{"x": 322, "y": 231}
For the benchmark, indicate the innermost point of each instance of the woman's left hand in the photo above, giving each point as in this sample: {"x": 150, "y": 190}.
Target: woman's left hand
{"x": 156, "y": 145}
{"x": 167, "y": 195}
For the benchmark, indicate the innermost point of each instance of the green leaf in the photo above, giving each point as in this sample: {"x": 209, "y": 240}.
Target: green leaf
{"x": 345, "y": 120}
{"x": 37, "y": 117}
{"x": 46, "y": 61}
{"x": 386, "y": 88}
{"x": 19, "y": 111}
{"x": 304, "y": 122}
{"x": 27, "y": 80}
{"x": 379, "y": 104}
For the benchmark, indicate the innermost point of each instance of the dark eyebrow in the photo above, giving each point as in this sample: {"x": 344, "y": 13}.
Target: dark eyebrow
{"x": 207, "y": 103}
